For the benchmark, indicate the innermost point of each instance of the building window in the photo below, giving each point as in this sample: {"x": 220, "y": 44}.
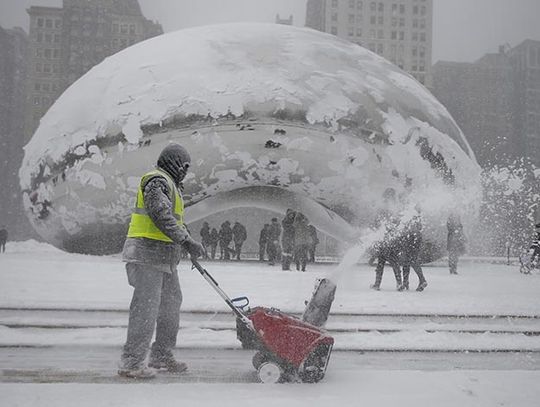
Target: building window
{"x": 333, "y": 30}
{"x": 415, "y": 10}
{"x": 37, "y": 100}
{"x": 402, "y": 22}
{"x": 380, "y": 20}
{"x": 48, "y": 23}
{"x": 422, "y": 67}
{"x": 402, "y": 35}
{"x": 38, "y": 67}
{"x": 57, "y": 23}
{"x": 422, "y": 23}
{"x": 334, "y": 3}
{"x": 423, "y": 37}
{"x": 422, "y": 52}
{"x": 393, "y": 35}
{"x": 373, "y": 6}
{"x": 402, "y": 9}
{"x": 45, "y": 100}
{"x": 358, "y": 31}
{"x": 48, "y": 38}
{"x": 123, "y": 29}
{"x": 48, "y": 53}
{"x": 414, "y": 51}
{"x": 415, "y": 23}
{"x": 115, "y": 28}
{"x": 56, "y": 38}
{"x": 381, "y": 7}
{"x": 394, "y": 9}
{"x": 423, "y": 10}
{"x": 334, "y": 17}
{"x": 37, "y": 87}
{"x": 372, "y": 47}
{"x": 351, "y": 31}
{"x": 39, "y": 53}
{"x": 351, "y": 18}
{"x": 373, "y": 20}
{"x": 39, "y": 37}
{"x": 47, "y": 68}
{"x": 40, "y": 22}
{"x": 132, "y": 29}
{"x": 422, "y": 79}
{"x": 46, "y": 87}
{"x": 414, "y": 66}
{"x": 115, "y": 43}
{"x": 380, "y": 34}
{"x": 372, "y": 34}
{"x": 352, "y": 3}
{"x": 56, "y": 54}
{"x": 394, "y": 21}
{"x": 359, "y": 5}
{"x": 380, "y": 49}
{"x": 415, "y": 36}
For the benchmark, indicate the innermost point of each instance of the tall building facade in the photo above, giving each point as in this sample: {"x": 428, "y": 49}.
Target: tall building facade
{"x": 495, "y": 101}
{"x": 525, "y": 60}
{"x": 398, "y": 30}
{"x": 13, "y": 68}
{"x": 67, "y": 42}
{"x": 480, "y": 97}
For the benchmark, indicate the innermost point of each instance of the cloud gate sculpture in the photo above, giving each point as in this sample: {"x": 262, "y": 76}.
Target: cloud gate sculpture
{"x": 274, "y": 117}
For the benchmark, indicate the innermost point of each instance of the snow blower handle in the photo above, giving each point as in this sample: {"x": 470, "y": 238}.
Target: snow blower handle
{"x": 237, "y": 311}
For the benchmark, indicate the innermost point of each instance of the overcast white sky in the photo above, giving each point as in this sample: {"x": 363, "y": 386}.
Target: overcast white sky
{"x": 464, "y": 30}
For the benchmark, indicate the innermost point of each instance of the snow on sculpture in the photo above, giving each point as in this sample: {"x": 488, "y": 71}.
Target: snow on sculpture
{"x": 273, "y": 116}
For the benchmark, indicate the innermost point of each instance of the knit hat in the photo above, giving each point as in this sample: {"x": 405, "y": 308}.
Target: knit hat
{"x": 175, "y": 160}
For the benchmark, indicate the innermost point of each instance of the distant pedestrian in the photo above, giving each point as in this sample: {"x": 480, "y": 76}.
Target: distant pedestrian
{"x": 205, "y": 237}
{"x": 287, "y": 239}
{"x": 213, "y": 242}
{"x": 389, "y": 250}
{"x": 239, "y": 237}
{"x": 302, "y": 240}
{"x": 314, "y": 242}
{"x": 410, "y": 257}
{"x": 3, "y": 239}
{"x": 225, "y": 238}
{"x": 455, "y": 242}
{"x": 263, "y": 240}
{"x": 274, "y": 232}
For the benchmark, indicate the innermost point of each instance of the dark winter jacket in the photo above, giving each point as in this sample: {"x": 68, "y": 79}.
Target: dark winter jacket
{"x": 456, "y": 238}
{"x": 239, "y": 232}
{"x": 158, "y": 203}
{"x": 411, "y": 240}
{"x": 314, "y": 236}
{"x": 274, "y": 232}
{"x": 3, "y": 235}
{"x": 205, "y": 234}
{"x": 214, "y": 237}
{"x": 287, "y": 237}
{"x": 225, "y": 233}
{"x": 302, "y": 234}
{"x": 263, "y": 236}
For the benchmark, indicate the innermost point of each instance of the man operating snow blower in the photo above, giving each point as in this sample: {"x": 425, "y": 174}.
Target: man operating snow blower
{"x": 152, "y": 252}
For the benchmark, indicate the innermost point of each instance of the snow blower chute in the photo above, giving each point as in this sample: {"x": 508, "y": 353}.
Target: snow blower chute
{"x": 288, "y": 348}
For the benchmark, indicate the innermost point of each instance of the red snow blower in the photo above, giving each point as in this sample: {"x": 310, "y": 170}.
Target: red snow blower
{"x": 288, "y": 348}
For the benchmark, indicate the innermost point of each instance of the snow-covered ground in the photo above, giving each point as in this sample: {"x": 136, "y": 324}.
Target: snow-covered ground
{"x": 39, "y": 277}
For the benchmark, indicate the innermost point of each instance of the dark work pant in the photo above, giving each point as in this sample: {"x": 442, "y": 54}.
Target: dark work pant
{"x": 213, "y": 247}
{"x": 380, "y": 269}
{"x": 301, "y": 256}
{"x": 272, "y": 252}
{"x": 3, "y": 246}
{"x": 417, "y": 269}
{"x": 262, "y": 250}
{"x": 238, "y": 249}
{"x": 453, "y": 258}
{"x": 311, "y": 253}
{"x": 155, "y": 304}
{"x": 286, "y": 256}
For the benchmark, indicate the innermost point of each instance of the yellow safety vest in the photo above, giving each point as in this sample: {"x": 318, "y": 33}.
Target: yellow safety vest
{"x": 141, "y": 224}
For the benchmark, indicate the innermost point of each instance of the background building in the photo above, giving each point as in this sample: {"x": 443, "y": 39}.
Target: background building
{"x": 13, "y": 51}
{"x": 284, "y": 21}
{"x": 67, "y": 42}
{"x": 400, "y": 31}
{"x": 495, "y": 101}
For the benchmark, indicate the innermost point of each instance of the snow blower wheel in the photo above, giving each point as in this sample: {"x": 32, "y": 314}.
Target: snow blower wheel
{"x": 258, "y": 359}
{"x": 269, "y": 372}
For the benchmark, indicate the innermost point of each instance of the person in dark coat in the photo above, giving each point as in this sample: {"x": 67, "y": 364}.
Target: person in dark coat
{"x": 225, "y": 238}
{"x": 263, "y": 240}
{"x": 455, "y": 242}
{"x": 302, "y": 240}
{"x": 213, "y": 242}
{"x": 3, "y": 239}
{"x": 205, "y": 238}
{"x": 239, "y": 237}
{"x": 151, "y": 252}
{"x": 314, "y": 242}
{"x": 274, "y": 232}
{"x": 388, "y": 250}
{"x": 287, "y": 239}
{"x": 411, "y": 245}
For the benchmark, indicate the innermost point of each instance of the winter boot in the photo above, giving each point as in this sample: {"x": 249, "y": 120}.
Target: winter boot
{"x": 168, "y": 363}
{"x": 421, "y": 286}
{"x": 143, "y": 373}
{"x": 375, "y": 287}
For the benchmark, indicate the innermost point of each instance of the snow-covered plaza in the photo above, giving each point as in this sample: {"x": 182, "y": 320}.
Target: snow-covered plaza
{"x": 471, "y": 339}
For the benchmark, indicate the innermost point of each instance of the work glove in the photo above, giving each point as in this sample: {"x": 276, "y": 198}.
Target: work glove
{"x": 194, "y": 248}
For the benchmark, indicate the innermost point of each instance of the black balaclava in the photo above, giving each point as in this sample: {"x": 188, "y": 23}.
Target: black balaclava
{"x": 175, "y": 160}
